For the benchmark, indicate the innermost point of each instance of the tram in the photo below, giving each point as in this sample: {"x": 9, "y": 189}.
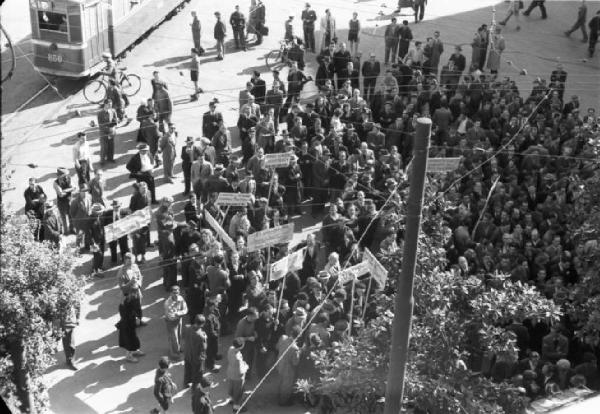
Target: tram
{"x": 69, "y": 36}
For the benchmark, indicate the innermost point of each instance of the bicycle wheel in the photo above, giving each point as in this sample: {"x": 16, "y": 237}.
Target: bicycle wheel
{"x": 274, "y": 60}
{"x": 8, "y": 56}
{"x": 95, "y": 91}
{"x": 131, "y": 84}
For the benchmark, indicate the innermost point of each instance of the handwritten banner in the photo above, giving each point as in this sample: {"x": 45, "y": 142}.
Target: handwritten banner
{"x": 234, "y": 199}
{"x": 278, "y": 159}
{"x": 127, "y": 225}
{"x": 442, "y": 165}
{"x": 353, "y": 272}
{"x": 269, "y": 237}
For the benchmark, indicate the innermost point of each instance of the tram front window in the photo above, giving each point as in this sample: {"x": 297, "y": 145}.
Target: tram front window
{"x": 52, "y": 21}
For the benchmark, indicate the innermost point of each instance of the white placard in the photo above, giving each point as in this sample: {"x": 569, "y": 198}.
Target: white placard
{"x": 377, "y": 270}
{"x": 442, "y": 165}
{"x": 289, "y": 263}
{"x": 127, "y": 225}
{"x": 353, "y": 272}
{"x": 234, "y": 199}
{"x": 269, "y": 237}
{"x": 277, "y": 160}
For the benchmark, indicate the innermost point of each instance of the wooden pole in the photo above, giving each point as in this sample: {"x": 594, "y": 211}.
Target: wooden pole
{"x": 367, "y": 297}
{"x": 351, "y": 305}
{"x": 280, "y": 296}
{"x": 403, "y": 306}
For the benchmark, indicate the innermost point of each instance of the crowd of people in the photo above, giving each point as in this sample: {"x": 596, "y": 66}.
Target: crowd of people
{"x": 350, "y": 150}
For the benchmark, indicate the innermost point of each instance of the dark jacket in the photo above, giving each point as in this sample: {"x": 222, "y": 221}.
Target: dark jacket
{"x": 220, "y": 30}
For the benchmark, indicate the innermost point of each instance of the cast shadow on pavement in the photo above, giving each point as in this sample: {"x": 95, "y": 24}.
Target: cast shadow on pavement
{"x": 167, "y": 61}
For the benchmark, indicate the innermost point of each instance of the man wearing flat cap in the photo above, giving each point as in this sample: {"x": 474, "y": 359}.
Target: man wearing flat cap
{"x": 97, "y": 239}
{"x": 141, "y": 166}
{"x": 52, "y": 225}
{"x": 80, "y": 214}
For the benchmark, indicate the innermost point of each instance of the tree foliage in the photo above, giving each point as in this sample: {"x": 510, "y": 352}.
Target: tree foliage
{"x": 456, "y": 320}
{"x": 37, "y": 290}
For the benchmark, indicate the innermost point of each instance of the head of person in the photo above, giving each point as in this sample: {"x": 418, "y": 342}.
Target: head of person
{"x": 175, "y": 292}
{"x": 252, "y": 314}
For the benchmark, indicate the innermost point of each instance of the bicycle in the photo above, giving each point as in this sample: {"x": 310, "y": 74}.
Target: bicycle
{"x": 279, "y": 58}
{"x": 95, "y": 90}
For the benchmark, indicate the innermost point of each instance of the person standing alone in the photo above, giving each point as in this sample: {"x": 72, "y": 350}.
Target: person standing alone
{"x": 220, "y": 32}
{"x": 196, "y": 32}
{"x": 580, "y": 23}
{"x": 238, "y": 25}
{"x": 308, "y": 25}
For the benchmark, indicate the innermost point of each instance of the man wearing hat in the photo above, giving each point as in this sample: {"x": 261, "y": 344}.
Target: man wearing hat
{"x": 216, "y": 183}
{"x": 238, "y": 25}
{"x": 220, "y": 32}
{"x": 64, "y": 190}
{"x": 97, "y": 239}
{"x": 309, "y": 17}
{"x": 82, "y": 158}
{"x": 289, "y": 29}
{"x": 189, "y": 154}
{"x": 141, "y": 166}
{"x": 80, "y": 215}
{"x": 34, "y": 199}
{"x": 110, "y": 216}
{"x": 211, "y": 120}
{"x": 52, "y": 225}
{"x": 259, "y": 88}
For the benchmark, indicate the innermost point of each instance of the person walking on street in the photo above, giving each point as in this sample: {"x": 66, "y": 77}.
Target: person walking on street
{"x": 289, "y": 29}
{"x": 594, "y": 26}
{"x": 175, "y": 310}
{"x": 238, "y": 27}
{"x": 513, "y": 10}
{"x": 97, "y": 239}
{"x": 194, "y": 71}
{"x": 164, "y": 106}
{"x": 309, "y": 16}
{"x": 220, "y": 32}
{"x": 128, "y": 337}
{"x": 419, "y": 7}
{"x": 107, "y": 123}
{"x": 68, "y": 325}
{"x": 580, "y": 23}
{"x": 168, "y": 147}
{"x": 236, "y": 373}
{"x": 164, "y": 386}
{"x": 196, "y": 32}
{"x": 82, "y": 158}
{"x": 391, "y": 41}
{"x": 194, "y": 351}
{"x": 533, "y": 5}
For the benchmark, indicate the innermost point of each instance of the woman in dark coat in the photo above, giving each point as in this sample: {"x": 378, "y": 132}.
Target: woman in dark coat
{"x": 128, "y": 338}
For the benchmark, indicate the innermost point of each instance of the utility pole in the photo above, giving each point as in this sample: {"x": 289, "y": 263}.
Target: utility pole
{"x": 403, "y": 304}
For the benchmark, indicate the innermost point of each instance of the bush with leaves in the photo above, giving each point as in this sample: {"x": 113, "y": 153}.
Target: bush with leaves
{"x": 456, "y": 320}
{"x": 37, "y": 290}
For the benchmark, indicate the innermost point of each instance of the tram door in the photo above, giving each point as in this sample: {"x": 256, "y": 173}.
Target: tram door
{"x": 95, "y": 23}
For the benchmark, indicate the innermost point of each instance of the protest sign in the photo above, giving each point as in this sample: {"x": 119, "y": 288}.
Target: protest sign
{"x": 353, "y": 272}
{"x": 234, "y": 199}
{"x": 269, "y": 237}
{"x": 377, "y": 270}
{"x": 289, "y": 263}
{"x": 442, "y": 165}
{"x": 127, "y": 225}
{"x": 220, "y": 232}
{"x": 278, "y": 159}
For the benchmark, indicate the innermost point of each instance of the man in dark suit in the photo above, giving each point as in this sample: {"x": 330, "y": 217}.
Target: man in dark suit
{"x": 259, "y": 90}
{"x": 370, "y": 71}
{"x": 341, "y": 59}
{"x": 419, "y": 6}
{"x": 216, "y": 183}
{"x": 405, "y": 37}
{"x": 211, "y": 120}
{"x": 140, "y": 167}
{"x": 52, "y": 224}
{"x": 308, "y": 24}
{"x": 533, "y": 5}
{"x": 321, "y": 177}
{"x": 189, "y": 154}
{"x": 349, "y": 73}
{"x": 311, "y": 258}
{"x": 391, "y": 41}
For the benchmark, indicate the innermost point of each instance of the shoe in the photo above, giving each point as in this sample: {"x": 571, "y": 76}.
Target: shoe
{"x": 99, "y": 274}
{"x": 193, "y": 98}
{"x": 71, "y": 365}
{"x": 216, "y": 369}
{"x": 130, "y": 358}
{"x": 200, "y": 90}
{"x": 138, "y": 353}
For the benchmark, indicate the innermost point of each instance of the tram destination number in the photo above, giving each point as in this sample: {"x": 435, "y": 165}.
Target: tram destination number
{"x": 52, "y": 57}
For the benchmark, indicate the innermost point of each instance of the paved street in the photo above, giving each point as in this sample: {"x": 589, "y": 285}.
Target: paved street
{"x": 43, "y": 132}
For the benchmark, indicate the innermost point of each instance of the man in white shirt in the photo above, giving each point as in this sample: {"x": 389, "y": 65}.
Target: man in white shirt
{"x": 82, "y": 158}
{"x": 175, "y": 309}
